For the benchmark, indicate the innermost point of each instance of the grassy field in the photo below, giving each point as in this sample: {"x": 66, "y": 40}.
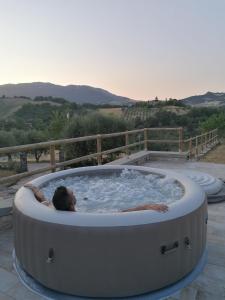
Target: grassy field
{"x": 144, "y": 113}
{"x": 131, "y": 113}
{"x": 9, "y": 106}
{"x": 117, "y": 111}
{"x": 177, "y": 110}
{"x": 216, "y": 155}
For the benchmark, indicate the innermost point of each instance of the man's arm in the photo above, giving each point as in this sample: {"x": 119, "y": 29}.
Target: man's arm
{"x": 156, "y": 207}
{"x": 37, "y": 193}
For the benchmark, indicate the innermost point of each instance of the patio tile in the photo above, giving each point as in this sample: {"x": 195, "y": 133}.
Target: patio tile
{"x": 19, "y": 292}
{"x": 8, "y": 280}
{"x": 5, "y": 297}
{"x": 6, "y": 261}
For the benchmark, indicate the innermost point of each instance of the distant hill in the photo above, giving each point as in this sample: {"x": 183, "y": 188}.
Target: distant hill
{"x": 8, "y": 106}
{"x": 73, "y": 93}
{"x": 209, "y": 99}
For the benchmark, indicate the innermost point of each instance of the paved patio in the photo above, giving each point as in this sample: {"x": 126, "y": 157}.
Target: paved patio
{"x": 210, "y": 285}
{"x": 217, "y": 170}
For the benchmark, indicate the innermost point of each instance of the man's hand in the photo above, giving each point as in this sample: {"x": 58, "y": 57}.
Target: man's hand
{"x": 31, "y": 187}
{"x": 37, "y": 193}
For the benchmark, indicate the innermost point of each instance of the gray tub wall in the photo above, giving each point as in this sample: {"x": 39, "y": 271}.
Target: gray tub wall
{"x": 109, "y": 261}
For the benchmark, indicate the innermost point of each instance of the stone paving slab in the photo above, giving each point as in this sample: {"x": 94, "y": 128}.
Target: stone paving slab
{"x": 5, "y": 297}
{"x": 143, "y": 156}
{"x": 6, "y": 206}
{"x": 8, "y": 280}
{"x": 206, "y": 296}
{"x": 10, "y": 286}
{"x": 20, "y": 292}
{"x": 6, "y": 201}
{"x": 185, "y": 294}
{"x": 5, "y": 222}
{"x": 217, "y": 170}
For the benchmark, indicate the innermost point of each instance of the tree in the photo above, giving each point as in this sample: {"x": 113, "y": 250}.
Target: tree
{"x": 57, "y": 124}
{"x": 20, "y": 136}
{"x": 91, "y": 124}
{"x": 37, "y": 136}
{"x": 213, "y": 122}
{"x": 7, "y": 139}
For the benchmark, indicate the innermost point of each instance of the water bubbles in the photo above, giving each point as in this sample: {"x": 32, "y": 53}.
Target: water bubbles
{"x": 115, "y": 192}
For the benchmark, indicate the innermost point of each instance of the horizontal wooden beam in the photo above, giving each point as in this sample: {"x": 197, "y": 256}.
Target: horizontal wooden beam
{"x": 165, "y": 129}
{"x": 122, "y": 148}
{"x": 28, "y": 147}
{"x": 164, "y": 141}
{"x": 109, "y": 135}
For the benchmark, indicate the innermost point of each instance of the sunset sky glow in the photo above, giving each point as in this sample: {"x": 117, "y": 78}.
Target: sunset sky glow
{"x": 134, "y": 48}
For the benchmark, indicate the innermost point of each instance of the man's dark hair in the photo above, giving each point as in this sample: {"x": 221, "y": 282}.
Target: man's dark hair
{"x": 61, "y": 199}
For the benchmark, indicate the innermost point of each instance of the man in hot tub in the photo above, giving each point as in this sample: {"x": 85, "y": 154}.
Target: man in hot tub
{"x": 64, "y": 199}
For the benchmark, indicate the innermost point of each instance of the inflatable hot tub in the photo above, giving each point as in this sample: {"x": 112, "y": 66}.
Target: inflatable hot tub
{"x": 110, "y": 254}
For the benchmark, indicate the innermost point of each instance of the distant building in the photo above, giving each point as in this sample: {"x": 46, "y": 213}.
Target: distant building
{"x": 154, "y": 102}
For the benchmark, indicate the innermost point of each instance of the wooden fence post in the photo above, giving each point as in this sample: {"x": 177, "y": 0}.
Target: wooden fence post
{"x": 181, "y": 139}
{"x": 127, "y": 143}
{"x": 99, "y": 149}
{"x": 206, "y": 141}
{"x": 190, "y": 148}
{"x": 145, "y": 139}
{"x": 196, "y": 147}
{"x": 61, "y": 157}
{"x": 201, "y": 143}
{"x": 52, "y": 157}
{"x": 216, "y": 135}
{"x": 23, "y": 162}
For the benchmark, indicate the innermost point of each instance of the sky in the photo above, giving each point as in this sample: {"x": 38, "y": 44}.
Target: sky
{"x": 135, "y": 48}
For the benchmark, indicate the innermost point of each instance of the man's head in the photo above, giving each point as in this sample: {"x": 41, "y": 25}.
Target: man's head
{"x": 64, "y": 199}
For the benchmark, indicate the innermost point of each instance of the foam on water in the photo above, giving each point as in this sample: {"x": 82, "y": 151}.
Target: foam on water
{"x": 117, "y": 191}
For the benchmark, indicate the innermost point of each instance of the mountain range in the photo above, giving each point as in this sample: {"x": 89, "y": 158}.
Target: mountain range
{"x": 73, "y": 93}
{"x": 208, "y": 99}
{"x": 87, "y": 94}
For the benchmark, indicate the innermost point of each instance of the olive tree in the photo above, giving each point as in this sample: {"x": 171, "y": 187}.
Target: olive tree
{"x": 91, "y": 124}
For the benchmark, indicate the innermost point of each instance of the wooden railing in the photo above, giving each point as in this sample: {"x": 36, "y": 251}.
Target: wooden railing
{"x": 200, "y": 144}
{"x": 210, "y": 137}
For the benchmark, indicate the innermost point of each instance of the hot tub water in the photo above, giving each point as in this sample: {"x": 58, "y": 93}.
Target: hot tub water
{"x": 114, "y": 192}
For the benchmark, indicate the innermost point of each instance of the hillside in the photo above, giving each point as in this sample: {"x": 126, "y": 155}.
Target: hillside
{"x": 131, "y": 113}
{"x": 209, "y": 99}
{"x": 73, "y": 93}
{"x": 8, "y": 106}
